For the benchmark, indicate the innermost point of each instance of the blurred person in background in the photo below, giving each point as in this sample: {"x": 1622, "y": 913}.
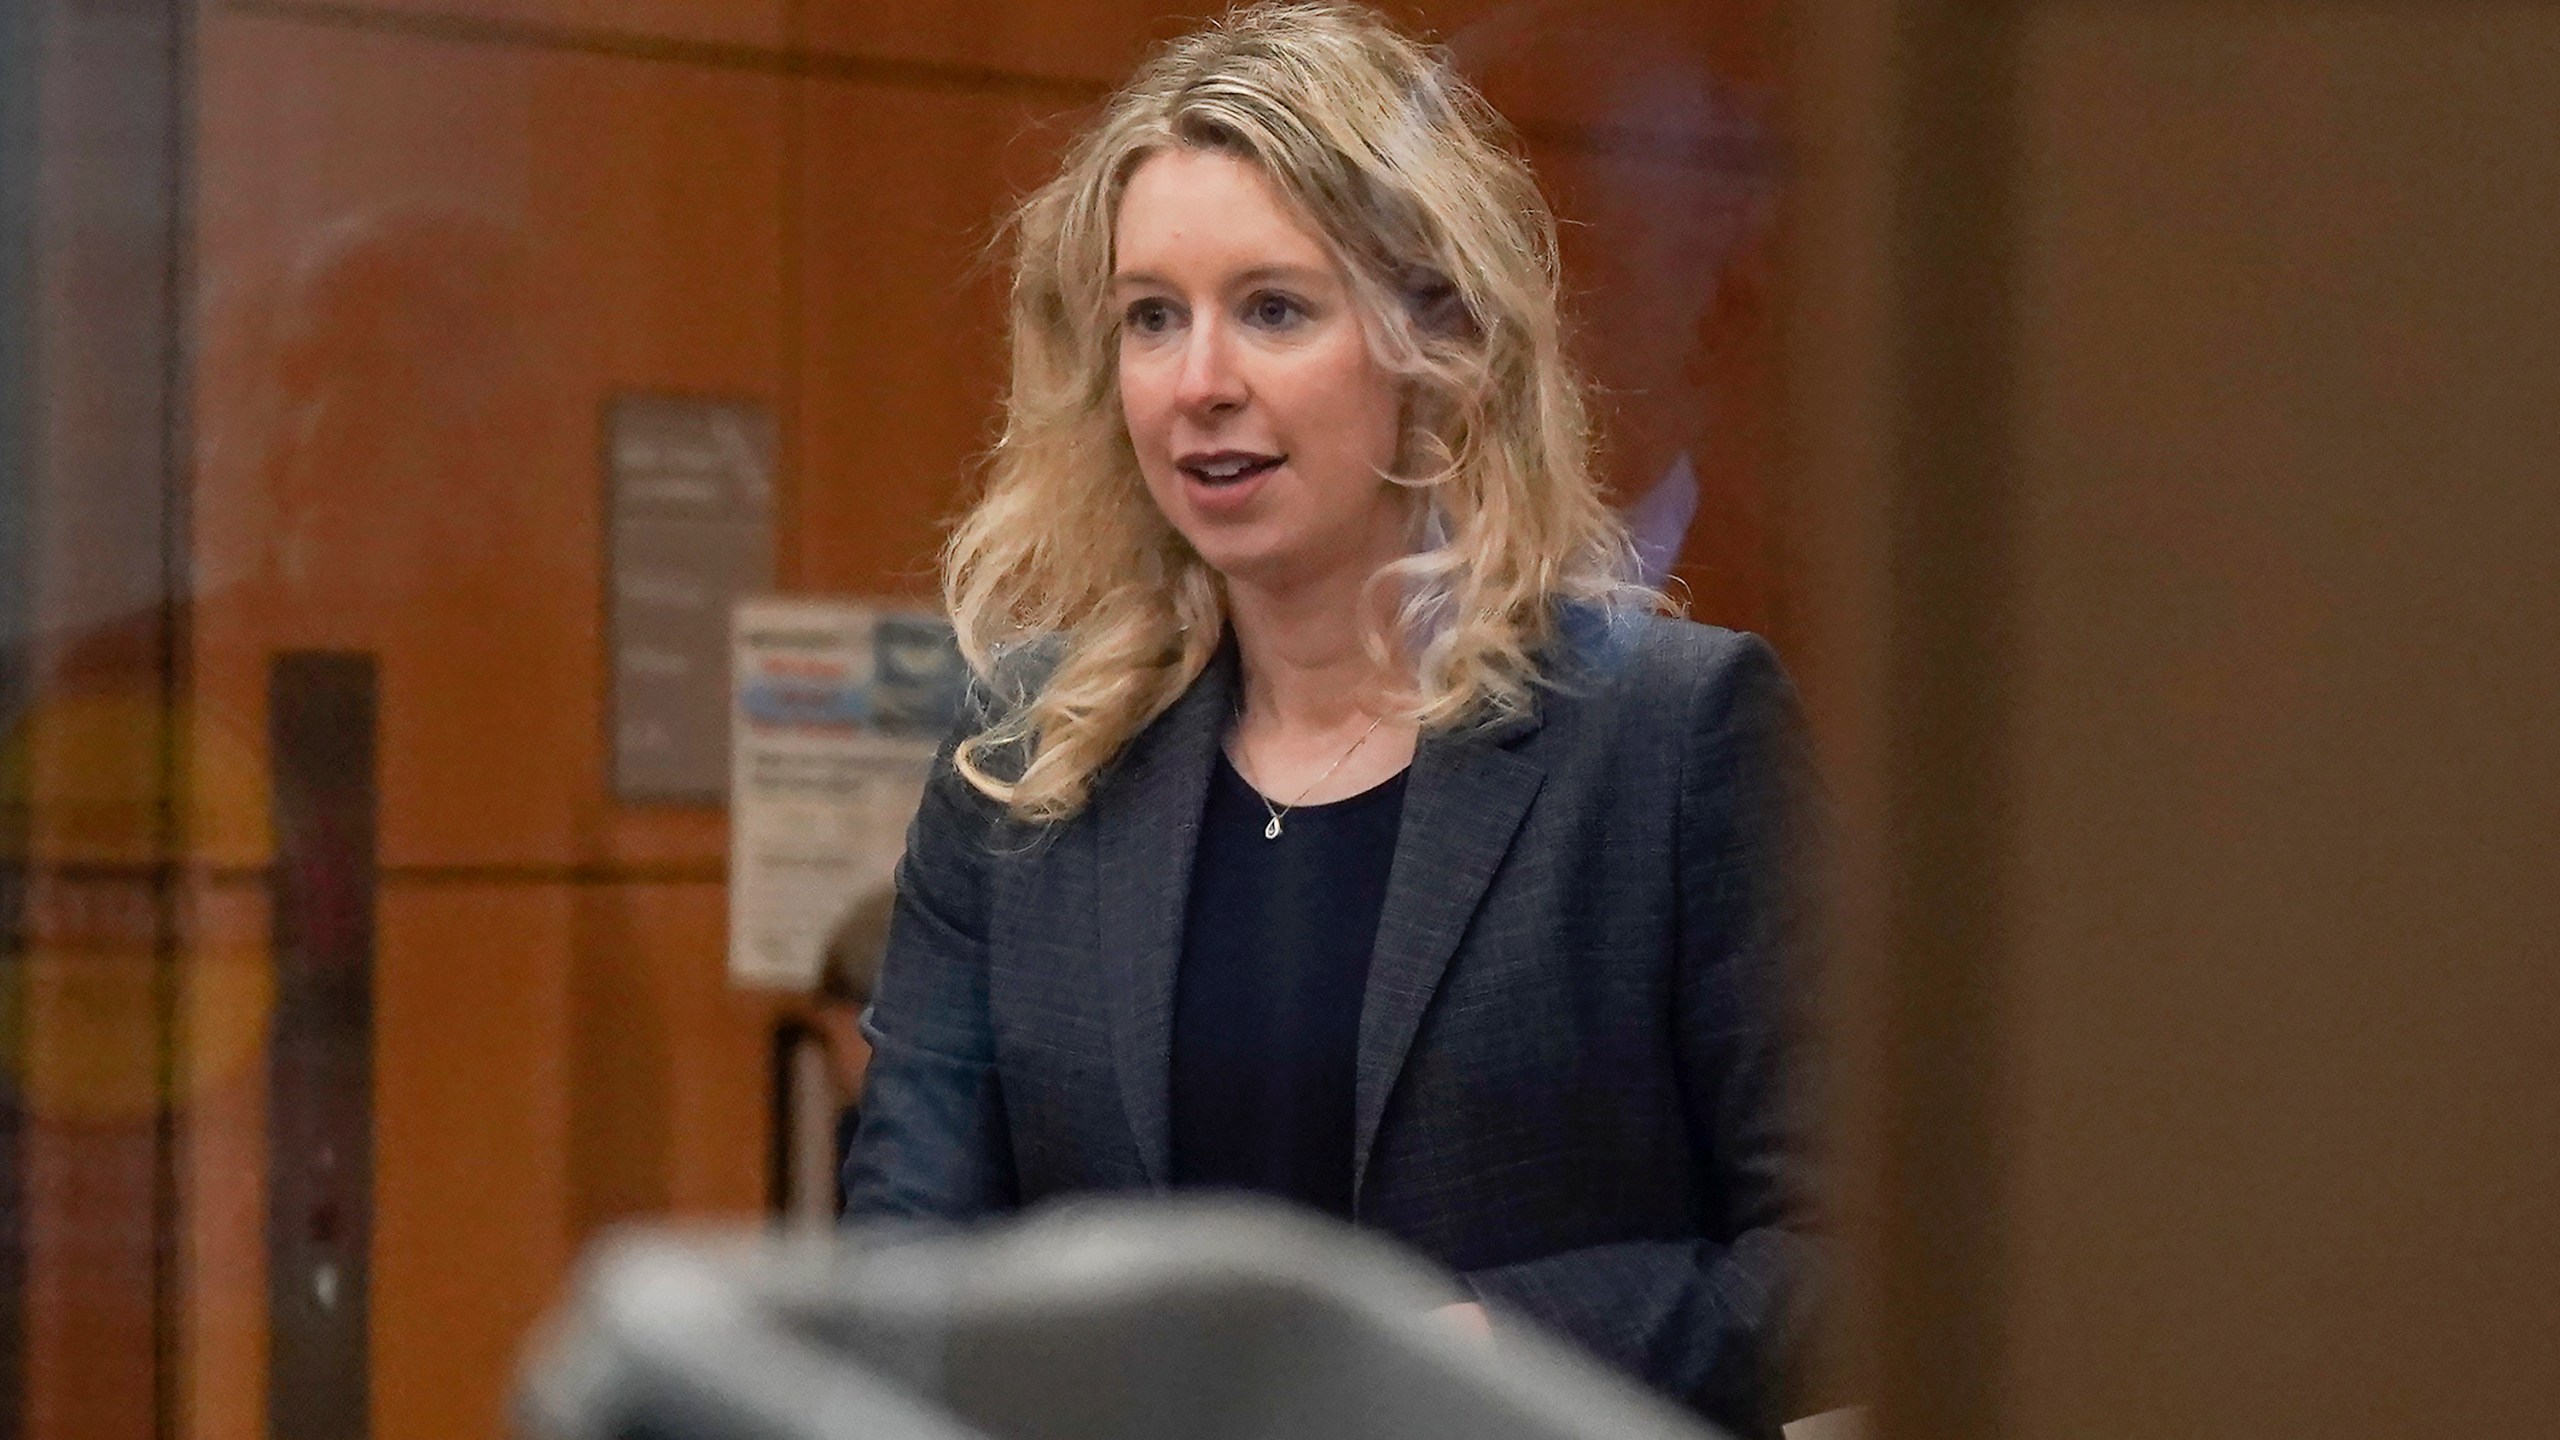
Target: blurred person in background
{"x": 1335, "y": 818}
{"x": 846, "y": 978}
{"x": 820, "y": 1060}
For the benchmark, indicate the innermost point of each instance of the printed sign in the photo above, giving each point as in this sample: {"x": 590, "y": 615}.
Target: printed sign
{"x": 690, "y": 522}
{"x": 835, "y": 712}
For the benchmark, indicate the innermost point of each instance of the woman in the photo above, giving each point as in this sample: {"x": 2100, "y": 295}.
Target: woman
{"x": 1335, "y": 822}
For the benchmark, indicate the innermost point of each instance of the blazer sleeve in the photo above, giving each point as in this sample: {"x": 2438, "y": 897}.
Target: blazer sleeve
{"x": 1715, "y": 1318}
{"x": 933, "y": 1144}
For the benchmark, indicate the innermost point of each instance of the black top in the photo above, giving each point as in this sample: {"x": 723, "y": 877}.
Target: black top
{"x": 1266, "y": 1022}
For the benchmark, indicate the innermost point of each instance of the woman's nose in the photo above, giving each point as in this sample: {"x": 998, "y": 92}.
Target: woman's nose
{"x": 1209, "y": 381}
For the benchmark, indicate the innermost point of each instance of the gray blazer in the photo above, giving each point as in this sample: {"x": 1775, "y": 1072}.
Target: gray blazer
{"x": 1570, "y": 1052}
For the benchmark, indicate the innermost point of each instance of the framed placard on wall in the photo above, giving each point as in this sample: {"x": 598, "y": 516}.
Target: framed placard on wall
{"x": 689, "y": 530}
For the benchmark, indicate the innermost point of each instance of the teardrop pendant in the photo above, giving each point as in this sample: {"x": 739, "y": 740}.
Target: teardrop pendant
{"x": 1272, "y": 830}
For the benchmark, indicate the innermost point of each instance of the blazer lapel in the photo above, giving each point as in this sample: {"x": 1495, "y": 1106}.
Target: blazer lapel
{"x": 1463, "y": 801}
{"x": 1147, "y": 829}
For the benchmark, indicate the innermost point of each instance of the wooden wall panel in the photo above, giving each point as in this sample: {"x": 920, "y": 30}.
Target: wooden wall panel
{"x": 1090, "y": 44}
{"x": 1628, "y": 70}
{"x": 670, "y": 1075}
{"x": 1669, "y": 271}
{"x": 1653, "y": 128}
{"x": 88, "y": 1183}
{"x": 229, "y": 997}
{"x": 759, "y": 23}
{"x": 1545, "y": 62}
{"x": 427, "y": 265}
{"x": 904, "y": 344}
{"x": 473, "y": 1146}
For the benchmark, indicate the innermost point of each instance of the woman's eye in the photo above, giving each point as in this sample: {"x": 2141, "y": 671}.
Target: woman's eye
{"x": 1274, "y": 312}
{"x": 1148, "y": 317}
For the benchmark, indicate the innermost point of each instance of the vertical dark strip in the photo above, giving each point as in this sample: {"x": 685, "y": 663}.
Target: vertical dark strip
{"x": 320, "y": 1068}
{"x": 779, "y": 1114}
{"x": 1947, "y": 686}
{"x": 92, "y": 105}
{"x": 22, "y": 52}
{"x": 168, "y": 1216}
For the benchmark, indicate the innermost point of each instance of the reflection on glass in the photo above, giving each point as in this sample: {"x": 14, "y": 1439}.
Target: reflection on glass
{"x": 326, "y": 307}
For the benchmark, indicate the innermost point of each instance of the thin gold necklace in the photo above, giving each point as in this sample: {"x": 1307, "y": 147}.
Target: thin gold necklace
{"x": 1280, "y": 812}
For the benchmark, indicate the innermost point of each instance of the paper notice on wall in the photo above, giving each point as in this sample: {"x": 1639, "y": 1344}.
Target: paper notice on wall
{"x": 835, "y": 709}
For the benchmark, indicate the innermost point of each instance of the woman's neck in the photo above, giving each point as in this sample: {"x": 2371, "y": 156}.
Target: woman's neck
{"x": 1314, "y": 723}
{"x": 1306, "y": 666}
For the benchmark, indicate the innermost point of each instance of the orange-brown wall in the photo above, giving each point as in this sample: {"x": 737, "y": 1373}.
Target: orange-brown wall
{"x": 430, "y": 239}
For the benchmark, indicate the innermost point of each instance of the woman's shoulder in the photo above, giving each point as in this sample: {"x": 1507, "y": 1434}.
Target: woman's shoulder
{"x": 1666, "y": 696}
{"x": 1630, "y": 654}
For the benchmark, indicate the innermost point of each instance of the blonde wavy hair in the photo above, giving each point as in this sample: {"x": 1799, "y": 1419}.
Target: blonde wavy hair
{"x": 1450, "y": 252}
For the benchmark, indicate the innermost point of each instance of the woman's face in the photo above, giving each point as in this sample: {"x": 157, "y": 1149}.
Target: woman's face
{"x": 1262, "y": 423}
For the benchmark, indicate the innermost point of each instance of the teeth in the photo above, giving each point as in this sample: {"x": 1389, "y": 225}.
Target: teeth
{"x": 1226, "y": 469}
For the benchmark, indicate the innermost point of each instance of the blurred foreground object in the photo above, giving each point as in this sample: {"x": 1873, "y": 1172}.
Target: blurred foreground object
{"x": 1123, "y": 1321}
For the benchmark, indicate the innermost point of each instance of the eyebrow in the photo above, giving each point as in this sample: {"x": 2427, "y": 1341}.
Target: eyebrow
{"x": 1301, "y": 274}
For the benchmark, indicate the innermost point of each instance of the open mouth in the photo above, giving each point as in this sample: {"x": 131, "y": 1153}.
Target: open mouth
{"x": 1227, "y": 467}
